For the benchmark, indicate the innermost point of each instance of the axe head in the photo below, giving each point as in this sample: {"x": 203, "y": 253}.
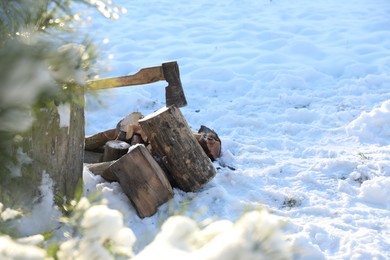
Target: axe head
{"x": 174, "y": 94}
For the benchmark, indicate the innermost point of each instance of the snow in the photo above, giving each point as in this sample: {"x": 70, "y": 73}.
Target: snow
{"x": 254, "y": 236}
{"x": 373, "y": 126}
{"x": 64, "y": 113}
{"x": 16, "y": 88}
{"x": 373, "y": 191}
{"x": 100, "y": 225}
{"x": 299, "y": 94}
{"x": 74, "y": 55}
{"x": 8, "y": 213}
{"x": 11, "y": 250}
{"x": 43, "y": 209}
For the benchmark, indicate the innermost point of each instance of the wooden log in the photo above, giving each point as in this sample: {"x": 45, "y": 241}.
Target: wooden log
{"x": 102, "y": 169}
{"x": 129, "y": 132}
{"x": 98, "y": 140}
{"x": 92, "y": 157}
{"x": 136, "y": 139}
{"x": 210, "y": 142}
{"x": 114, "y": 150}
{"x": 177, "y": 149}
{"x": 142, "y": 180}
{"x": 138, "y": 130}
{"x": 125, "y": 127}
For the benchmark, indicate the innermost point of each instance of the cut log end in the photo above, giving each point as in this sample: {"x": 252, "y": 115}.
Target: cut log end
{"x": 114, "y": 150}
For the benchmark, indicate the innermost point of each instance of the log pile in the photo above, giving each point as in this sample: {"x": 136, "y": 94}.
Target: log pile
{"x": 149, "y": 155}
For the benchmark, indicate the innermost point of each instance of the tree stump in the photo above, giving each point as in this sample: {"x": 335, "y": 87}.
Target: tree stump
{"x": 175, "y": 146}
{"x": 142, "y": 180}
{"x": 115, "y": 149}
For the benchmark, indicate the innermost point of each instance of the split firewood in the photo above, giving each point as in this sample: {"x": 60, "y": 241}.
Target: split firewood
{"x": 136, "y": 139}
{"x": 125, "y": 127}
{"x": 138, "y": 130}
{"x": 114, "y": 150}
{"x": 129, "y": 131}
{"x": 102, "y": 169}
{"x": 96, "y": 141}
{"x": 210, "y": 142}
{"x": 142, "y": 180}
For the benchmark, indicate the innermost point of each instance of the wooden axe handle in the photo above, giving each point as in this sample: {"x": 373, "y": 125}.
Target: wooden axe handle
{"x": 144, "y": 76}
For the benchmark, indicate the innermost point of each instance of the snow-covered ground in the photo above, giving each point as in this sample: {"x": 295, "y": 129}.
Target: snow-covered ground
{"x": 298, "y": 92}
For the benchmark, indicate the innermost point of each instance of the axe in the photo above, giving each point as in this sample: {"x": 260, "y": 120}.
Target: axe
{"x": 174, "y": 94}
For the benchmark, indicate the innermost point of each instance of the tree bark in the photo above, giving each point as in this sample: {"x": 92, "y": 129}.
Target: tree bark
{"x": 57, "y": 146}
{"x": 142, "y": 180}
{"x": 175, "y": 146}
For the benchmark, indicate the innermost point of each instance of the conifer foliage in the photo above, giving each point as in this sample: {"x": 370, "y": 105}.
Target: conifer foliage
{"x": 44, "y": 61}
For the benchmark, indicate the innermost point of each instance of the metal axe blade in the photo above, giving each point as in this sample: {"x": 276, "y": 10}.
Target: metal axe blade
{"x": 174, "y": 94}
